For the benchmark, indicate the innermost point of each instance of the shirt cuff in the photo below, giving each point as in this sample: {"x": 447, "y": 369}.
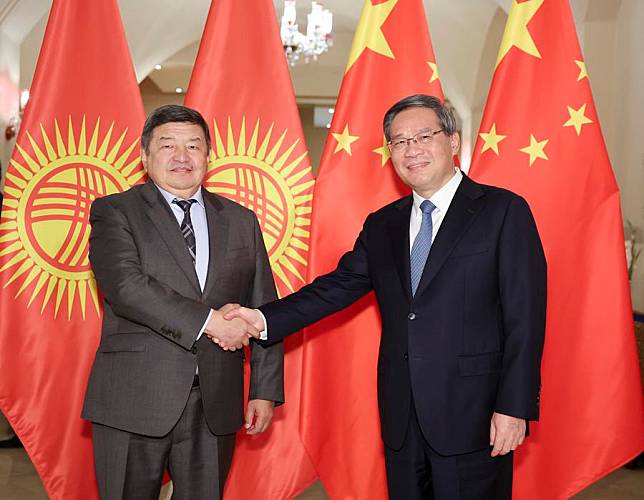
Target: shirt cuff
{"x": 204, "y": 325}
{"x": 263, "y": 335}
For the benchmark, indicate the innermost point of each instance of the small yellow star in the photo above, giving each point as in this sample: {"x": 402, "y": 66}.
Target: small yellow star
{"x": 535, "y": 149}
{"x": 434, "y": 69}
{"x": 383, "y": 151}
{"x": 369, "y": 33}
{"x": 344, "y": 140}
{"x": 577, "y": 118}
{"x": 516, "y": 32}
{"x": 492, "y": 140}
{"x": 582, "y": 70}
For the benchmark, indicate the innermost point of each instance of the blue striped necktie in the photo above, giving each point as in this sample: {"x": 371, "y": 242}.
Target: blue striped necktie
{"x": 421, "y": 246}
{"x": 186, "y": 227}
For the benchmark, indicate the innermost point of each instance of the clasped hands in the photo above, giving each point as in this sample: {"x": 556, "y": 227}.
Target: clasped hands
{"x": 232, "y": 326}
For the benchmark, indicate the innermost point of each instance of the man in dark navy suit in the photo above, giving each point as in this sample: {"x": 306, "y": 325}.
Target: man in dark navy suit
{"x": 460, "y": 277}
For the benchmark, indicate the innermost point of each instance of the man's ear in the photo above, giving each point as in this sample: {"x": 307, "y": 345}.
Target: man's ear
{"x": 455, "y": 142}
{"x": 144, "y": 159}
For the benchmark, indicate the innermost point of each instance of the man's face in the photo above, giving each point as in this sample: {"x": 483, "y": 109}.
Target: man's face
{"x": 423, "y": 167}
{"x": 177, "y": 159}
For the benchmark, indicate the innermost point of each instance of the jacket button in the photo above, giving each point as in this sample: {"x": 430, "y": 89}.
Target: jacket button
{"x": 194, "y": 349}
{"x": 406, "y": 356}
{"x": 411, "y": 316}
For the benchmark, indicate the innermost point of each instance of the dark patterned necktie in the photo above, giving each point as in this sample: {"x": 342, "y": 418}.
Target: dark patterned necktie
{"x": 186, "y": 227}
{"x": 422, "y": 244}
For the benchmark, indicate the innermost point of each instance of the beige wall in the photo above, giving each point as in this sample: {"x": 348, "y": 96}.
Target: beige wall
{"x": 315, "y": 136}
{"x": 153, "y": 98}
{"x": 626, "y": 141}
{"x": 9, "y": 94}
{"x": 612, "y": 42}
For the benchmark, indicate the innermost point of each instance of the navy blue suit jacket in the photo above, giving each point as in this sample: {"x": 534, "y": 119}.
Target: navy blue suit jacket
{"x": 469, "y": 342}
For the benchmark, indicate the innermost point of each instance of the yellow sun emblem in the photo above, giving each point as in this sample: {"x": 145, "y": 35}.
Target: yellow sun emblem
{"x": 274, "y": 182}
{"x": 44, "y": 229}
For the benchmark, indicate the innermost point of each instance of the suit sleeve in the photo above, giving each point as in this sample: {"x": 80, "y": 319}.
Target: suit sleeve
{"x": 522, "y": 287}
{"x": 130, "y": 292}
{"x": 267, "y": 362}
{"x": 324, "y": 296}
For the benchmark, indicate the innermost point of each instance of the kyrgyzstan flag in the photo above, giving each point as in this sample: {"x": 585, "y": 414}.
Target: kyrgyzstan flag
{"x": 242, "y": 86}
{"x": 540, "y": 137}
{"x": 391, "y": 58}
{"x": 78, "y": 141}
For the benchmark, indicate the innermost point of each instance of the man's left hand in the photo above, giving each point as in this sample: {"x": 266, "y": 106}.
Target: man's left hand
{"x": 506, "y": 433}
{"x": 258, "y": 415}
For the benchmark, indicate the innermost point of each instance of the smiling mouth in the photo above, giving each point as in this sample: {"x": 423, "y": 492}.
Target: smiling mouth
{"x": 417, "y": 165}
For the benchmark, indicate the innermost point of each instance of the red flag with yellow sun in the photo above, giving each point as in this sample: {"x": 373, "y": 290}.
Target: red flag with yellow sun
{"x": 259, "y": 159}
{"x": 78, "y": 141}
{"x": 540, "y": 137}
{"x": 391, "y": 58}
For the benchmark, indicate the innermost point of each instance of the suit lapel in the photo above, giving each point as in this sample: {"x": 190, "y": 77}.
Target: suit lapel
{"x": 467, "y": 202}
{"x": 217, "y": 236}
{"x": 161, "y": 216}
{"x": 399, "y": 238}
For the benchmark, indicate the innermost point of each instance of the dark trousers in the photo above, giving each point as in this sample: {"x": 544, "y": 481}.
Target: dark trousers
{"x": 130, "y": 466}
{"x": 418, "y": 472}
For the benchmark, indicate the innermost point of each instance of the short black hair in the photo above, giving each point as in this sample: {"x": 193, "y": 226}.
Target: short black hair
{"x": 445, "y": 115}
{"x": 172, "y": 113}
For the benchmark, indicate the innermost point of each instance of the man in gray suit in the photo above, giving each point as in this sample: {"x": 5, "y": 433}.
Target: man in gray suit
{"x": 167, "y": 255}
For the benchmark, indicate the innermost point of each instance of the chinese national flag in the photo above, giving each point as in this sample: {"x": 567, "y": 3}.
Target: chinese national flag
{"x": 259, "y": 159}
{"x": 540, "y": 137}
{"x": 78, "y": 141}
{"x": 391, "y": 58}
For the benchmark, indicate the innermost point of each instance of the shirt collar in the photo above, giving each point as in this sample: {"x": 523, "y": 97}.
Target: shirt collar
{"x": 169, "y": 197}
{"x": 443, "y": 197}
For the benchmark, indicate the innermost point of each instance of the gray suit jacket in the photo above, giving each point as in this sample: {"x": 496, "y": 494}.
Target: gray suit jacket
{"x": 154, "y": 308}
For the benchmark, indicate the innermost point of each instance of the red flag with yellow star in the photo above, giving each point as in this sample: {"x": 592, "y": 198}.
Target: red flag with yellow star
{"x": 78, "y": 141}
{"x": 259, "y": 159}
{"x": 391, "y": 58}
{"x": 540, "y": 137}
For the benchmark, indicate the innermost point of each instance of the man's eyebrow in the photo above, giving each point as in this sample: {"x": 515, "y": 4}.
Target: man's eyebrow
{"x": 171, "y": 138}
{"x": 426, "y": 129}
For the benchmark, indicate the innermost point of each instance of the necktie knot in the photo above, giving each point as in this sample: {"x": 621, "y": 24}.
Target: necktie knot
{"x": 427, "y": 207}
{"x": 184, "y": 204}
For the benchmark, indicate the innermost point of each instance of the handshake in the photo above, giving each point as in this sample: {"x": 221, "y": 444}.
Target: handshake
{"x": 232, "y": 326}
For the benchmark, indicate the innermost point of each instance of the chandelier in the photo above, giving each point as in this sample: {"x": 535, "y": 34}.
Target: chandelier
{"x": 318, "y": 33}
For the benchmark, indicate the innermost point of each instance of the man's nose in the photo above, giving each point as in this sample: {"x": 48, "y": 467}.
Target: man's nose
{"x": 413, "y": 148}
{"x": 181, "y": 154}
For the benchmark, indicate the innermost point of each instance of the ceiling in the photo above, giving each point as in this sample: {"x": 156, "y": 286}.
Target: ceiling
{"x": 171, "y": 36}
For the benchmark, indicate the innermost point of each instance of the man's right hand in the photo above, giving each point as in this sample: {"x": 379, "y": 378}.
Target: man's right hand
{"x": 229, "y": 334}
{"x": 251, "y": 316}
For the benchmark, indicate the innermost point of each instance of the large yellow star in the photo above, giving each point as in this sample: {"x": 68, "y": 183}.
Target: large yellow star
{"x": 516, "y": 32}
{"x": 577, "y": 118}
{"x": 535, "y": 149}
{"x": 383, "y": 151}
{"x": 492, "y": 140}
{"x": 434, "y": 69}
{"x": 344, "y": 140}
{"x": 582, "y": 70}
{"x": 369, "y": 33}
